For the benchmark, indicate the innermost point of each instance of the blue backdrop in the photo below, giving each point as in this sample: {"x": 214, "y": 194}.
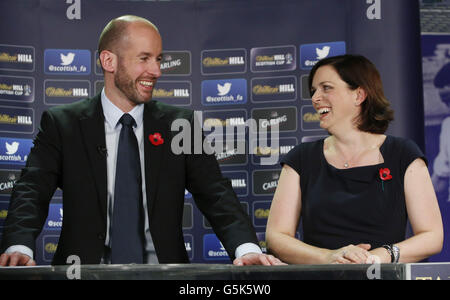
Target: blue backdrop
{"x": 263, "y": 48}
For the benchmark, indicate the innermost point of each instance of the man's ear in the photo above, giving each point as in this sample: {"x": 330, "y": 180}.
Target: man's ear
{"x": 108, "y": 61}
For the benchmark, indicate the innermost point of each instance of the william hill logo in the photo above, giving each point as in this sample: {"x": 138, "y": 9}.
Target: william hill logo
{"x": 61, "y": 92}
{"x": 238, "y": 183}
{"x": 20, "y": 120}
{"x": 6, "y": 57}
{"x": 219, "y": 62}
{"x": 272, "y": 60}
{"x": 215, "y": 122}
{"x": 3, "y": 214}
{"x": 15, "y": 89}
{"x": 261, "y": 151}
{"x": 262, "y": 213}
{"x": 16, "y": 58}
{"x": 267, "y": 89}
{"x": 274, "y": 89}
{"x": 51, "y": 247}
{"x": 263, "y": 245}
{"x": 173, "y": 93}
{"x": 311, "y": 117}
{"x": 223, "y": 61}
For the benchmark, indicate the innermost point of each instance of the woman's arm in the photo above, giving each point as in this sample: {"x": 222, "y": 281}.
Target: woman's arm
{"x": 424, "y": 216}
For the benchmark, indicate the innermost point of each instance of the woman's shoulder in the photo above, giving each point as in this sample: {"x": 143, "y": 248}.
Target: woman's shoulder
{"x": 404, "y": 150}
{"x": 306, "y": 150}
{"x": 400, "y": 143}
{"x": 303, "y": 154}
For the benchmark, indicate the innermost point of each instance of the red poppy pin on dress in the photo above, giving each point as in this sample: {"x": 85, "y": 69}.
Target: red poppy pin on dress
{"x": 385, "y": 174}
{"x": 156, "y": 139}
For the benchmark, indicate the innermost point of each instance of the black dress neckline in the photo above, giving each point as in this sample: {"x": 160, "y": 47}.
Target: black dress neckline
{"x": 361, "y": 173}
{"x": 382, "y": 151}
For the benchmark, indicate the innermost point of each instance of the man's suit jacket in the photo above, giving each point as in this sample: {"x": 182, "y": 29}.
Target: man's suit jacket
{"x": 69, "y": 153}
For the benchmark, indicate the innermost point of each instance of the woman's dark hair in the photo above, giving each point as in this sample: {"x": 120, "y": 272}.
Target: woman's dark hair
{"x": 357, "y": 71}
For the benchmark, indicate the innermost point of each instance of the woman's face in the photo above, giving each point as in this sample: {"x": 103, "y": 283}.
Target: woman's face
{"x": 336, "y": 103}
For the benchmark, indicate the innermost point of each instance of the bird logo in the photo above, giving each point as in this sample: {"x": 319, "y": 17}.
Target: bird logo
{"x": 67, "y": 59}
{"x": 322, "y": 53}
{"x": 223, "y": 89}
{"x": 12, "y": 148}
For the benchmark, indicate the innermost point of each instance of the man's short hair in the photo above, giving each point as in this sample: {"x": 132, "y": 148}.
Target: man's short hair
{"x": 115, "y": 30}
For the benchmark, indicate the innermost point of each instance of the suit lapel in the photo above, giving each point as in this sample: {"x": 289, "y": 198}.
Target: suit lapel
{"x": 93, "y": 131}
{"x": 154, "y": 154}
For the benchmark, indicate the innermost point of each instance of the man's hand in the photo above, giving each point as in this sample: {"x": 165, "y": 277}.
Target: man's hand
{"x": 16, "y": 259}
{"x": 257, "y": 259}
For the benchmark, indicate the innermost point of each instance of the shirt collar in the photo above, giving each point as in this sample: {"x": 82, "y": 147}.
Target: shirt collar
{"x": 112, "y": 113}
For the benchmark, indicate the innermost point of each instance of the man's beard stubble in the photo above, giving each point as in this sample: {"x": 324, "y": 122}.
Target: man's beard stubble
{"x": 128, "y": 86}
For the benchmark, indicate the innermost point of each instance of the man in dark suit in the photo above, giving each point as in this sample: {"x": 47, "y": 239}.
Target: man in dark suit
{"x": 78, "y": 148}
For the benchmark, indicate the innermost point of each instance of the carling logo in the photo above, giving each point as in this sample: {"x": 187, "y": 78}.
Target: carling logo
{"x": 14, "y": 151}
{"x": 310, "y": 54}
{"x": 224, "y": 92}
{"x": 7, "y": 180}
{"x": 67, "y": 62}
{"x": 265, "y": 182}
{"x": 176, "y": 63}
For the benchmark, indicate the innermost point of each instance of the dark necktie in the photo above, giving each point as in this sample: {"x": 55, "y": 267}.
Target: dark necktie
{"x": 127, "y": 228}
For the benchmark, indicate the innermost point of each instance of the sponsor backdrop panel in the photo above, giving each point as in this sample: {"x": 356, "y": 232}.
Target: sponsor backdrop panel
{"x": 233, "y": 60}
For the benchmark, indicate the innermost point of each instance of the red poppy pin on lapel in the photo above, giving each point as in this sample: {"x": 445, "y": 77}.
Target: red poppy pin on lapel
{"x": 385, "y": 174}
{"x": 156, "y": 139}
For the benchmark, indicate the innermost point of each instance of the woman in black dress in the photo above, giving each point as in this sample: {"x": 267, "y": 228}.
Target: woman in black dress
{"x": 354, "y": 190}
